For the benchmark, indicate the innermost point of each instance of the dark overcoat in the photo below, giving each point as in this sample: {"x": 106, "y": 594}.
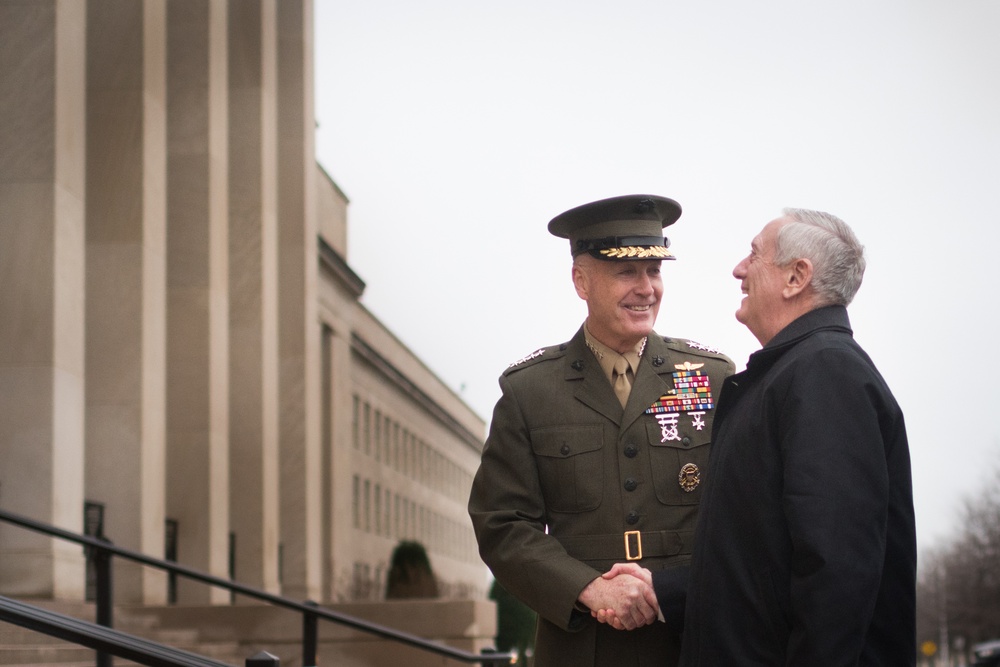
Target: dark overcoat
{"x": 806, "y": 550}
{"x": 566, "y": 473}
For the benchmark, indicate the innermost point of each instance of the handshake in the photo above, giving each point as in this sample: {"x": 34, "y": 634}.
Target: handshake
{"x": 622, "y": 597}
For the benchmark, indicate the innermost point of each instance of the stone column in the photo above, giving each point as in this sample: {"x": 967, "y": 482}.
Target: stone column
{"x": 197, "y": 290}
{"x": 299, "y": 329}
{"x": 42, "y": 255}
{"x": 340, "y": 452}
{"x": 253, "y": 291}
{"x": 126, "y": 282}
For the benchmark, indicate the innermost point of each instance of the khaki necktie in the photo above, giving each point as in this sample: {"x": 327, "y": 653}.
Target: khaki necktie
{"x": 621, "y": 382}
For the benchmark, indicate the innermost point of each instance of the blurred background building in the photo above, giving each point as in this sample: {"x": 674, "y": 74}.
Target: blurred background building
{"x": 185, "y": 367}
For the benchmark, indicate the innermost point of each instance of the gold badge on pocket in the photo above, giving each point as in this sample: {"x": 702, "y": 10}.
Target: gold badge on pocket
{"x": 689, "y": 477}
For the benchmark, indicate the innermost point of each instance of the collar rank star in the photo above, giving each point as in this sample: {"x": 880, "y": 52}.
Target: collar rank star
{"x": 692, "y": 394}
{"x": 533, "y": 355}
{"x": 704, "y": 348}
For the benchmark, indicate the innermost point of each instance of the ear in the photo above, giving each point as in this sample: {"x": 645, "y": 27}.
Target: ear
{"x": 798, "y": 278}
{"x": 580, "y": 281}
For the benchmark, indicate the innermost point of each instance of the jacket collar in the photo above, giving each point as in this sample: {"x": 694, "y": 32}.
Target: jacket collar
{"x": 827, "y": 318}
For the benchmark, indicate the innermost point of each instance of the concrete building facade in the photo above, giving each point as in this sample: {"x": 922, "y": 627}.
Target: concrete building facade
{"x": 184, "y": 362}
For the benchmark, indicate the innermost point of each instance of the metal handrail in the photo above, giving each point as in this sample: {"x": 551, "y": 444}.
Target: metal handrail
{"x": 100, "y": 638}
{"x": 310, "y": 611}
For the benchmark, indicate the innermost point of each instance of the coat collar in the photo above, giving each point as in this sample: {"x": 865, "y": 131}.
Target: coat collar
{"x": 827, "y": 318}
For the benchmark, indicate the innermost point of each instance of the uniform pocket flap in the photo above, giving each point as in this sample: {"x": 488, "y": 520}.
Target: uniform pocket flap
{"x": 677, "y": 436}
{"x": 566, "y": 441}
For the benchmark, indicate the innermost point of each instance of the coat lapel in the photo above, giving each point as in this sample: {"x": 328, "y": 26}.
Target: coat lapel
{"x": 592, "y": 388}
{"x": 649, "y": 384}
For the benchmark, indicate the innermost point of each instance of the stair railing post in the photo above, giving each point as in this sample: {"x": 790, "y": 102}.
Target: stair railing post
{"x": 309, "y": 636}
{"x": 105, "y": 596}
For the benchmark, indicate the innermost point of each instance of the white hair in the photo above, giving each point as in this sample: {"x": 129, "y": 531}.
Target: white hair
{"x": 837, "y": 256}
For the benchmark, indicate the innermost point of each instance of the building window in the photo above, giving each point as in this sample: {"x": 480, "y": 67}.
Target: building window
{"x": 418, "y": 450}
{"x": 355, "y": 423}
{"x": 422, "y": 462}
{"x": 386, "y": 432}
{"x": 366, "y": 428}
{"x": 356, "y": 502}
{"x": 414, "y": 528}
{"x": 387, "y": 525}
{"x": 395, "y": 516}
{"x": 395, "y": 446}
{"x": 368, "y": 506}
{"x": 406, "y": 519}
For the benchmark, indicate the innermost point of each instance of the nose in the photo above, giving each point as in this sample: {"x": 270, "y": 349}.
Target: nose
{"x": 645, "y": 284}
{"x": 740, "y": 270}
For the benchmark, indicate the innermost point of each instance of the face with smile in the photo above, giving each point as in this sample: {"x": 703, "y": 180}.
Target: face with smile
{"x": 623, "y": 298}
{"x": 763, "y": 283}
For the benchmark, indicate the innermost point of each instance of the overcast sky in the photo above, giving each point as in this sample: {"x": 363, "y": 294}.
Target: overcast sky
{"x": 459, "y": 128}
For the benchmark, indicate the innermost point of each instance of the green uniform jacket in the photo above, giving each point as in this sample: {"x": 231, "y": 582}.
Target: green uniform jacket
{"x": 566, "y": 474}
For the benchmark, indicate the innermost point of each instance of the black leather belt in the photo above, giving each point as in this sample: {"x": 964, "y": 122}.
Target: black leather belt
{"x": 630, "y": 545}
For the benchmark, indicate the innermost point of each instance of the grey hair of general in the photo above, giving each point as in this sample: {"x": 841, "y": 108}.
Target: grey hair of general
{"x": 837, "y": 256}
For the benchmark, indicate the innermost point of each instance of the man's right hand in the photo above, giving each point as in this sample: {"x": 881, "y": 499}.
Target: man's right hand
{"x": 626, "y": 570}
{"x": 624, "y": 596}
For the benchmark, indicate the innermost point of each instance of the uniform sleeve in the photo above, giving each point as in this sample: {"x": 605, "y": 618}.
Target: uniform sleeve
{"x": 508, "y": 513}
{"x": 836, "y": 496}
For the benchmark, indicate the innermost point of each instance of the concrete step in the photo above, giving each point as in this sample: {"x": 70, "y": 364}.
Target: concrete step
{"x": 46, "y": 653}
{"x": 116, "y": 662}
{"x": 21, "y": 647}
{"x": 66, "y": 654}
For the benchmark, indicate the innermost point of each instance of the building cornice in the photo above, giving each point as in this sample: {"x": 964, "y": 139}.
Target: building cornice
{"x": 331, "y": 260}
{"x": 408, "y": 387}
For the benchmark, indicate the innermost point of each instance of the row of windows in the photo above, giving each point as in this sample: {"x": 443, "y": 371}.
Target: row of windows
{"x": 378, "y": 435}
{"x": 382, "y": 512}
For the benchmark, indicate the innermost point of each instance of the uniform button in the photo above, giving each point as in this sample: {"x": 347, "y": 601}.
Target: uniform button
{"x": 686, "y": 441}
{"x": 632, "y": 518}
{"x": 631, "y": 451}
{"x": 631, "y": 484}
{"x": 564, "y": 450}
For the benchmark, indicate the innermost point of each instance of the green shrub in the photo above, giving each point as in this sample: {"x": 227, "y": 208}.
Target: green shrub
{"x": 410, "y": 573}
{"x": 515, "y": 622}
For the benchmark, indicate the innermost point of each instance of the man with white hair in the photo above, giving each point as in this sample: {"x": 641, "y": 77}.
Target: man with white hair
{"x": 805, "y": 547}
{"x": 805, "y": 550}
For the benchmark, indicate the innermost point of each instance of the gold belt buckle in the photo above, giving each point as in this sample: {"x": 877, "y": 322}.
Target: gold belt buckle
{"x": 628, "y": 545}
